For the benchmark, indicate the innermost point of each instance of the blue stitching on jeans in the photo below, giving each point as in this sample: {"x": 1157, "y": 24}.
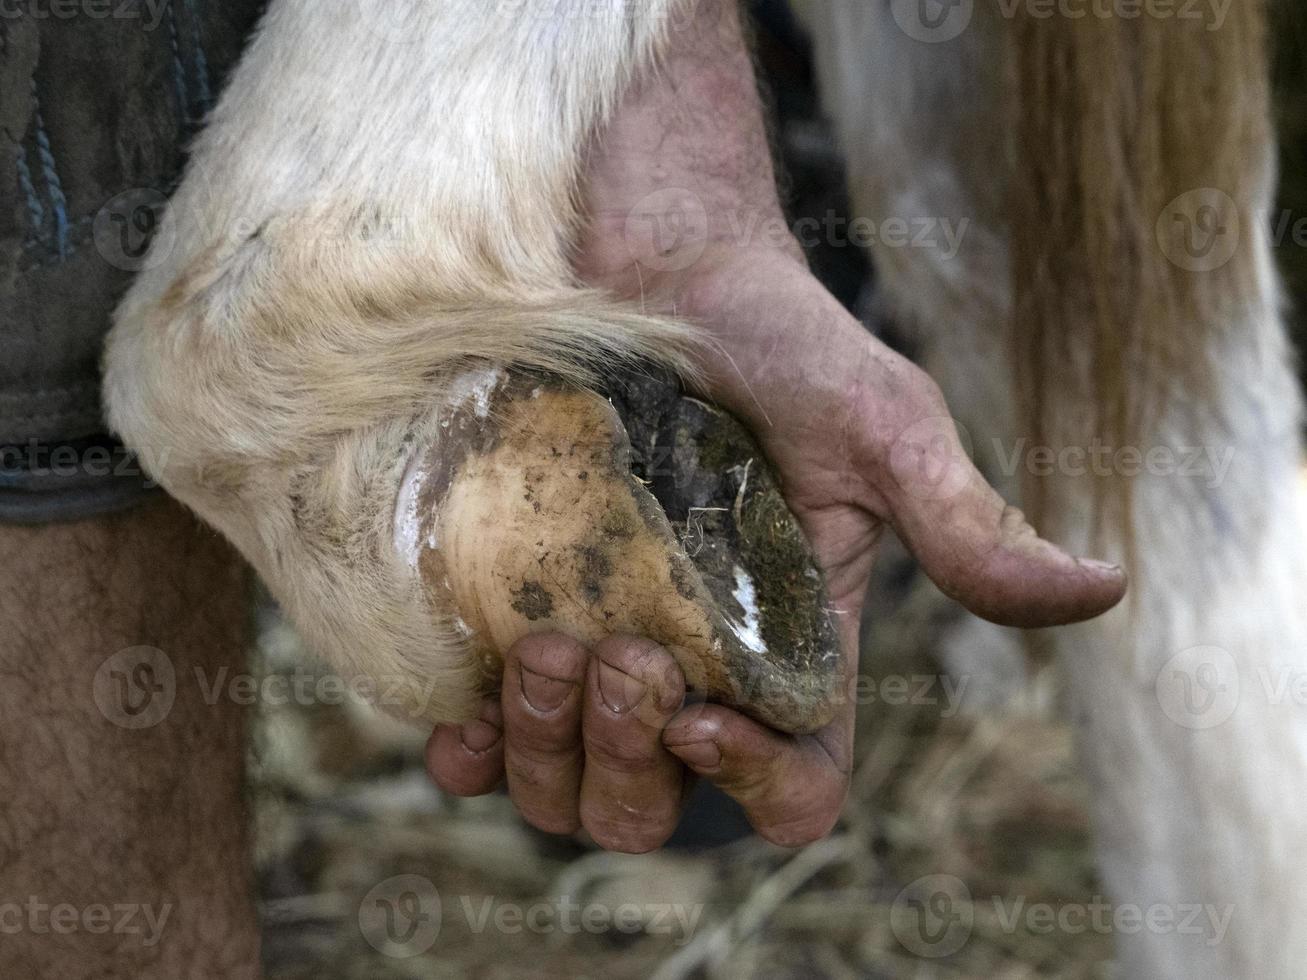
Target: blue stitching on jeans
{"x": 35, "y": 213}
{"x": 201, "y": 60}
{"x": 178, "y": 71}
{"x": 51, "y": 173}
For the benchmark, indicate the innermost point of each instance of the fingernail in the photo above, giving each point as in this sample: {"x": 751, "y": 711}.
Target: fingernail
{"x": 479, "y": 736}
{"x": 619, "y": 690}
{"x": 699, "y": 755}
{"x": 544, "y": 693}
{"x": 1102, "y": 567}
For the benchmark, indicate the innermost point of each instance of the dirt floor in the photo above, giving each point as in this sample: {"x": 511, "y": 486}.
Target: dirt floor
{"x": 961, "y": 831}
{"x": 979, "y": 818}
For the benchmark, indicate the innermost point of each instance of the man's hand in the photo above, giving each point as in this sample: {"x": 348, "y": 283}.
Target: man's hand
{"x": 861, "y": 439}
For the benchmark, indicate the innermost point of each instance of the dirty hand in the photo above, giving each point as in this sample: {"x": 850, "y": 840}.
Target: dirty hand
{"x": 862, "y": 440}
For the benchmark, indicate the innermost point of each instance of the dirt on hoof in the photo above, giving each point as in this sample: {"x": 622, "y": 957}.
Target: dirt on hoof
{"x": 638, "y": 511}
{"x": 725, "y": 504}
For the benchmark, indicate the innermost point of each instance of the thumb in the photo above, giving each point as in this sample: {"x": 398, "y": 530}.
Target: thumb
{"x": 975, "y": 547}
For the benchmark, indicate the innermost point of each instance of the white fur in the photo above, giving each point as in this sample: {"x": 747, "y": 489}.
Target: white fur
{"x": 1184, "y": 815}
{"x": 372, "y": 210}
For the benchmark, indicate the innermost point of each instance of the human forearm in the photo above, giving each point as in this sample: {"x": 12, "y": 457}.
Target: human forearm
{"x": 684, "y": 165}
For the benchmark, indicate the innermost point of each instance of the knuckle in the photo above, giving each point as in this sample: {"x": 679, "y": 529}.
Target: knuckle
{"x": 543, "y": 740}
{"x": 625, "y": 751}
{"x": 917, "y": 388}
{"x": 747, "y": 783}
{"x": 917, "y": 398}
{"x": 543, "y": 803}
{"x": 536, "y": 763}
{"x": 754, "y": 775}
